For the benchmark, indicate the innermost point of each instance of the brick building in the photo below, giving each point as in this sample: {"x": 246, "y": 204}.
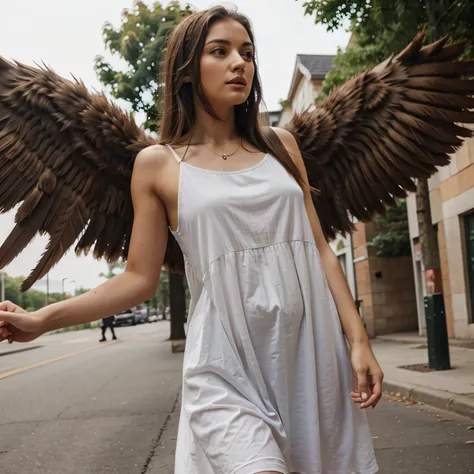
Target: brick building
{"x": 452, "y": 211}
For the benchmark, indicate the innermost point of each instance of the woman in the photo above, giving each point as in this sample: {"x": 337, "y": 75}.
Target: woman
{"x": 267, "y": 374}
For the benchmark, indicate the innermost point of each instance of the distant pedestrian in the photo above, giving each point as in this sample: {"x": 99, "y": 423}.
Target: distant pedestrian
{"x": 107, "y": 323}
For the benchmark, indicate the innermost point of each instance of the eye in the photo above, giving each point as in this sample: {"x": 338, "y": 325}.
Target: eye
{"x": 217, "y": 49}
{"x": 249, "y": 54}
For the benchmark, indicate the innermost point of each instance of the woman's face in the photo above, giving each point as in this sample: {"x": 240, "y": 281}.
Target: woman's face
{"x": 227, "y": 54}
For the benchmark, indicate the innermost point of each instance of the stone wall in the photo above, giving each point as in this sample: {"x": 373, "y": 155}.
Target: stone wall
{"x": 386, "y": 287}
{"x": 393, "y": 295}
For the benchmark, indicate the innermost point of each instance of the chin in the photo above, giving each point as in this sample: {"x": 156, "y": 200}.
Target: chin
{"x": 238, "y": 98}
{"x": 229, "y": 100}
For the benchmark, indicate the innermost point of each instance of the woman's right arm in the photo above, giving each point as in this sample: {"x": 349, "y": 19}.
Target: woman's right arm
{"x": 139, "y": 280}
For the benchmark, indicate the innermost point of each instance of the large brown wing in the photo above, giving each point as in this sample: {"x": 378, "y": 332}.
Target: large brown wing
{"x": 67, "y": 156}
{"x": 367, "y": 142}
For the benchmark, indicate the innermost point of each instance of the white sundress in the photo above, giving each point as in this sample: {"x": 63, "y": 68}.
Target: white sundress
{"x": 266, "y": 372}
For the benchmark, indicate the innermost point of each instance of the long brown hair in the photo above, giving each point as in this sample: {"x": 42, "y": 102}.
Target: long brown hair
{"x": 182, "y": 58}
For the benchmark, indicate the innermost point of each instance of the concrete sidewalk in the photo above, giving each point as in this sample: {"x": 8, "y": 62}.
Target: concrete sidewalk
{"x": 451, "y": 390}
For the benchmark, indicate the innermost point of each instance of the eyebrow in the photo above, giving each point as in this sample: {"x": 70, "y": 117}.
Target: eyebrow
{"x": 223, "y": 41}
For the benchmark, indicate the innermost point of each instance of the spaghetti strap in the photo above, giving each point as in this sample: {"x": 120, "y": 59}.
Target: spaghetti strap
{"x": 177, "y": 157}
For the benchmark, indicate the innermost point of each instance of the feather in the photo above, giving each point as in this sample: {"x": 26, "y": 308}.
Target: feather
{"x": 384, "y": 128}
{"x": 67, "y": 157}
{"x": 23, "y": 232}
{"x": 63, "y": 236}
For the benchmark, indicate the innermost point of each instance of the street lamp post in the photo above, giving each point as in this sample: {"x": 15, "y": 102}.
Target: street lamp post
{"x": 47, "y": 289}
{"x": 74, "y": 281}
{"x": 3, "y": 286}
{"x": 62, "y": 285}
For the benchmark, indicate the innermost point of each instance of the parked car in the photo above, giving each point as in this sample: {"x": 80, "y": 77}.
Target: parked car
{"x": 152, "y": 315}
{"x": 126, "y": 317}
{"x": 141, "y": 314}
{"x": 132, "y": 316}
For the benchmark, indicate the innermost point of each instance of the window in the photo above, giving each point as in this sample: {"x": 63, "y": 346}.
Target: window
{"x": 469, "y": 227}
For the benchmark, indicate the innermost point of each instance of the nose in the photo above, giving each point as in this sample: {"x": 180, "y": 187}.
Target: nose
{"x": 238, "y": 62}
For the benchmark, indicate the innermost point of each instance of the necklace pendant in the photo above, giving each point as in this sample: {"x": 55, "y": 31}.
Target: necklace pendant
{"x": 224, "y": 157}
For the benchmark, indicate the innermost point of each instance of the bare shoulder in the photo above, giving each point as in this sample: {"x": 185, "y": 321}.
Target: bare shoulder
{"x": 150, "y": 164}
{"x": 152, "y": 157}
{"x": 289, "y": 142}
{"x": 286, "y": 138}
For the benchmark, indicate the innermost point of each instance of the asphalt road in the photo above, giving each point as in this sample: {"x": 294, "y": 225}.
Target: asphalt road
{"x": 74, "y": 405}
{"x": 92, "y": 407}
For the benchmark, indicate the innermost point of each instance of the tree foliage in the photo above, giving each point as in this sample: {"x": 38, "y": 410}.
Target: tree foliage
{"x": 139, "y": 42}
{"x": 393, "y": 238}
{"x": 382, "y": 27}
{"x": 112, "y": 267}
{"x": 30, "y": 300}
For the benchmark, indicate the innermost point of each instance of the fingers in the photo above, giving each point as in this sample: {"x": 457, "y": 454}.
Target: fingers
{"x": 375, "y": 393}
{"x": 7, "y": 306}
{"x": 5, "y": 334}
{"x": 362, "y": 386}
{"x": 11, "y": 307}
{"x": 7, "y": 317}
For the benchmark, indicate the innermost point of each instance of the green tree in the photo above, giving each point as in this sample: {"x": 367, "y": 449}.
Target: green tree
{"x": 393, "y": 238}
{"x": 111, "y": 267}
{"x": 382, "y": 27}
{"x": 162, "y": 292}
{"x": 12, "y": 290}
{"x": 81, "y": 291}
{"x": 30, "y": 300}
{"x": 139, "y": 42}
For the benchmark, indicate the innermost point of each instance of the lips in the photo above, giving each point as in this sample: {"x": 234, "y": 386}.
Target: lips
{"x": 238, "y": 80}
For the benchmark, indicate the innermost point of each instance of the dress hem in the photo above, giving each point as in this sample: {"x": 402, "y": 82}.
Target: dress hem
{"x": 372, "y": 469}
{"x": 262, "y": 465}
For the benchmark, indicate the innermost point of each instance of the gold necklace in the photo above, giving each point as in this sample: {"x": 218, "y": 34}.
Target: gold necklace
{"x": 225, "y": 155}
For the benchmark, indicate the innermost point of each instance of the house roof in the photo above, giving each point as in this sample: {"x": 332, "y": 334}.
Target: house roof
{"x": 318, "y": 65}
{"x": 312, "y": 66}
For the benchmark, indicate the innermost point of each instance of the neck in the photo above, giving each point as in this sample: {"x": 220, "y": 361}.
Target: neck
{"x": 212, "y": 132}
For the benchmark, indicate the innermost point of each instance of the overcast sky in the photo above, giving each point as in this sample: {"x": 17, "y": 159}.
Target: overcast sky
{"x": 67, "y": 36}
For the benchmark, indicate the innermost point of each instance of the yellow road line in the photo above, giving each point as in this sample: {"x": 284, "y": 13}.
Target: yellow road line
{"x": 56, "y": 359}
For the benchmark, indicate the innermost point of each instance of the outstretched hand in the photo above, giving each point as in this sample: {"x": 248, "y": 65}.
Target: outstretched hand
{"x": 17, "y": 325}
{"x": 369, "y": 376}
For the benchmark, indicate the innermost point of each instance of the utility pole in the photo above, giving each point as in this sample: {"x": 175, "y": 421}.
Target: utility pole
{"x": 73, "y": 281}
{"x": 47, "y": 289}
{"x": 62, "y": 285}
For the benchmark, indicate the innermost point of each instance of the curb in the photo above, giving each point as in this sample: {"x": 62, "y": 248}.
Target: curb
{"x": 464, "y": 344}
{"x": 22, "y": 349}
{"x": 459, "y": 404}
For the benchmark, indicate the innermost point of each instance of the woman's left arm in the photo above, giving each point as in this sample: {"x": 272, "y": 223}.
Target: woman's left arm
{"x": 368, "y": 372}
